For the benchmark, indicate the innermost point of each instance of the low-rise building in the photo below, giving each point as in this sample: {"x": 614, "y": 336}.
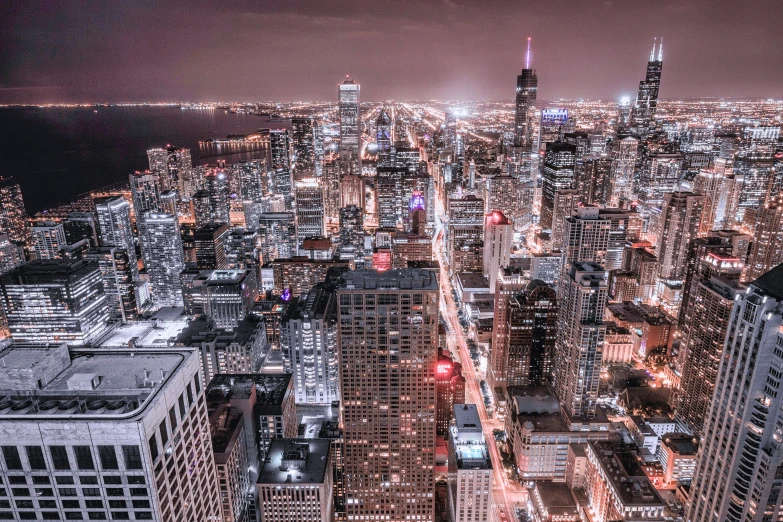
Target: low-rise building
{"x": 677, "y": 454}
{"x": 553, "y": 502}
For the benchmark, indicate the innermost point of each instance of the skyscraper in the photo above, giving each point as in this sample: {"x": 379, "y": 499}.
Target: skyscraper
{"x": 527, "y": 87}
{"x": 531, "y": 326}
{"x": 161, "y": 248}
{"x": 498, "y": 234}
{"x": 582, "y": 296}
{"x": 557, "y": 173}
{"x": 210, "y": 241}
{"x": 767, "y": 249}
{"x": 470, "y": 468}
{"x": 12, "y": 213}
{"x": 116, "y": 230}
{"x": 216, "y": 185}
{"x": 55, "y": 301}
{"x": 624, "y": 153}
{"x": 388, "y": 327}
{"x": 585, "y": 236}
{"x": 738, "y": 476}
{"x": 309, "y": 211}
{"x": 510, "y": 282}
{"x": 351, "y": 233}
{"x": 643, "y": 112}
{"x": 682, "y": 212}
{"x": 277, "y": 236}
{"x": 173, "y": 167}
{"x": 308, "y": 340}
{"x": 303, "y": 138}
{"x": 117, "y": 279}
{"x": 250, "y": 175}
{"x": 145, "y": 187}
{"x": 47, "y": 238}
{"x": 350, "y": 127}
{"x": 383, "y": 132}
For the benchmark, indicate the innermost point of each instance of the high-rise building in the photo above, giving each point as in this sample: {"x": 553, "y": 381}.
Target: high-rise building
{"x": 643, "y": 112}
{"x": 504, "y": 193}
{"x": 557, "y": 174}
{"x": 250, "y": 174}
{"x": 11, "y": 254}
{"x": 145, "y": 188}
{"x": 624, "y": 226}
{"x": 449, "y": 390}
{"x": 117, "y": 277}
{"x": 241, "y": 247}
{"x": 55, "y": 301}
{"x": 350, "y": 127}
{"x": 767, "y": 248}
{"x": 228, "y": 295}
{"x": 174, "y": 168}
{"x": 709, "y": 309}
{"x": 80, "y": 225}
{"x": 680, "y": 223}
{"x": 107, "y": 421}
{"x": 295, "y": 481}
{"x": 332, "y": 191}
{"x": 510, "y": 281}
{"x": 585, "y": 236}
{"x": 47, "y": 238}
{"x": 309, "y": 212}
{"x": 465, "y": 225}
{"x": 229, "y": 449}
{"x": 283, "y": 185}
{"x": 553, "y": 124}
{"x": 531, "y": 326}
{"x": 277, "y": 236}
{"x": 566, "y": 202}
{"x": 737, "y": 477}
{"x": 115, "y": 226}
{"x": 279, "y": 154}
{"x": 582, "y": 295}
{"x": 209, "y": 242}
{"x": 308, "y": 340}
{"x": 383, "y": 132}
{"x": 299, "y": 274}
{"x": 624, "y": 153}
{"x": 303, "y": 141}
{"x": 470, "y": 468}
{"x": 13, "y": 216}
{"x": 527, "y": 88}
{"x": 388, "y": 326}
{"x": 161, "y": 248}
{"x": 216, "y": 185}
{"x": 351, "y": 233}
{"x": 498, "y": 234}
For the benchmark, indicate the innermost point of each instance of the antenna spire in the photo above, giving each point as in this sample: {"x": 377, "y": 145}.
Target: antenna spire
{"x": 660, "y": 51}
{"x": 652, "y": 54}
{"x": 527, "y": 56}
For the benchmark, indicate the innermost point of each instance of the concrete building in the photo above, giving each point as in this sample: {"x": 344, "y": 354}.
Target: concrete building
{"x": 229, "y": 448}
{"x": 498, "y": 234}
{"x": 161, "y": 247}
{"x": 449, "y": 390}
{"x": 47, "y": 238}
{"x": 388, "y": 326}
{"x": 295, "y": 482}
{"x": 117, "y": 278}
{"x": 677, "y": 454}
{"x": 470, "y": 468}
{"x": 228, "y": 295}
{"x": 310, "y": 221}
{"x": 114, "y": 423}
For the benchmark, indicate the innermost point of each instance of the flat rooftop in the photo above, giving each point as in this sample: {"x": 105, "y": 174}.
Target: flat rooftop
{"x": 399, "y": 279}
{"x": 295, "y": 462}
{"x": 472, "y": 280}
{"x": 681, "y": 443}
{"x": 156, "y": 332}
{"x": 622, "y": 468}
{"x": 58, "y": 381}
{"x": 270, "y": 389}
{"x": 556, "y": 497}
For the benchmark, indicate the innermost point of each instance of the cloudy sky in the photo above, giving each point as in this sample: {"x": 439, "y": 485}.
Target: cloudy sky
{"x": 138, "y": 50}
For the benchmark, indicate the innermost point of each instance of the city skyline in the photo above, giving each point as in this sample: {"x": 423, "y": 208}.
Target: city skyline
{"x": 125, "y": 50}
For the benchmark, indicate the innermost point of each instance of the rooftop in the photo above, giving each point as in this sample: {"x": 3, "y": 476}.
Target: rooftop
{"x": 556, "y": 497}
{"x": 58, "y": 381}
{"x": 622, "y": 468}
{"x": 399, "y": 279}
{"x": 771, "y": 282}
{"x": 681, "y": 443}
{"x": 295, "y": 461}
{"x": 270, "y": 389}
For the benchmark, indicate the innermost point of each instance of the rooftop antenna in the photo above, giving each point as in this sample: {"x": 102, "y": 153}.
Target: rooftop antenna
{"x": 660, "y": 51}
{"x": 652, "y": 54}
{"x": 527, "y": 56}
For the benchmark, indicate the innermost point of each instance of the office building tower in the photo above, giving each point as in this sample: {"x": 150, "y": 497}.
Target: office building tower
{"x": 299, "y": 274}
{"x": 13, "y": 216}
{"x": 710, "y": 305}
{"x": 388, "y": 327}
{"x": 660, "y": 174}
{"x": 531, "y": 326}
{"x": 303, "y": 141}
{"x": 250, "y": 175}
{"x": 498, "y": 234}
{"x": 145, "y": 188}
{"x": 643, "y": 112}
{"x": 229, "y": 449}
{"x": 209, "y": 244}
{"x": 216, "y": 185}
{"x": 624, "y": 226}
{"x": 680, "y": 223}
{"x": 582, "y": 295}
{"x": 116, "y": 230}
{"x": 309, "y": 211}
{"x": 331, "y": 185}
{"x": 736, "y": 478}
{"x": 585, "y": 236}
{"x": 465, "y": 225}
{"x": 383, "y": 133}
{"x": 241, "y": 248}
{"x": 228, "y": 295}
{"x": 295, "y": 481}
{"x": 554, "y": 123}
{"x": 109, "y": 421}
{"x": 308, "y": 340}
{"x": 161, "y": 248}
{"x": 616, "y": 485}
{"x": 352, "y": 191}
{"x": 283, "y": 185}
{"x": 11, "y": 254}
{"x": 389, "y": 196}
{"x": 202, "y": 210}
{"x": 566, "y": 202}
{"x": 527, "y": 87}
{"x": 47, "y": 238}
{"x": 117, "y": 278}
{"x": 279, "y": 153}
{"x": 350, "y": 127}
{"x": 277, "y": 236}
{"x": 407, "y": 248}
{"x": 767, "y": 249}
{"x": 351, "y": 233}
{"x": 80, "y": 225}
{"x": 470, "y": 468}
{"x": 174, "y": 168}
{"x": 168, "y": 202}
{"x": 624, "y": 152}
{"x": 557, "y": 173}
{"x": 509, "y": 282}
{"x": 757, "y": 171}
{"x": 55, "y": 301}
{"x": 504, "y": 193}
{"x": 449, "y": 390}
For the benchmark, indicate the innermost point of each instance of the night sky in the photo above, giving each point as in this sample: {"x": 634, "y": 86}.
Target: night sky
{"x": 120, "y": 50}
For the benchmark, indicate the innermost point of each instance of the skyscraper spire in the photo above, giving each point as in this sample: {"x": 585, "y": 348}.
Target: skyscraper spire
{"x": 527, "y": 56}
{"x": 652, "y": 54}
{"x": 660, "y": 51}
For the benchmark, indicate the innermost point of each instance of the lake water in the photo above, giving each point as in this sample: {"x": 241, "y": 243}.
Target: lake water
{"x": 56, "y": 154}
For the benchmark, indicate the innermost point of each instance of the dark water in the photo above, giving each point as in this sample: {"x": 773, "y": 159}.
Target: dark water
{"x": 58, "y": 154}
